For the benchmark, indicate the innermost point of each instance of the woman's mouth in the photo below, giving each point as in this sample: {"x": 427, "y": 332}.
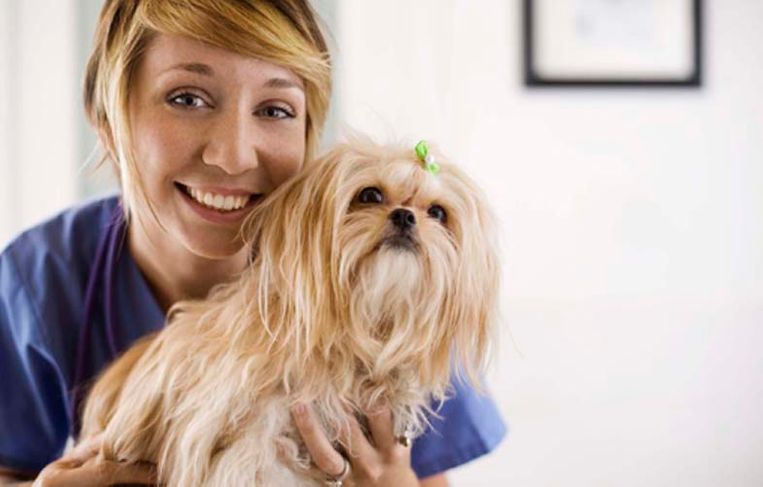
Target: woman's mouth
{"x": 218, "y": 201}
{"x": 210, "y": 204}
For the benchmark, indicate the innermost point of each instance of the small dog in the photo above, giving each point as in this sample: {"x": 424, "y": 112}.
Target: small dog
{"x": 371, "y": 274}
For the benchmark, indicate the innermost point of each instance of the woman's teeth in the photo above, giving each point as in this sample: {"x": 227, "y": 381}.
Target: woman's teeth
{"x": 217, "y": 201}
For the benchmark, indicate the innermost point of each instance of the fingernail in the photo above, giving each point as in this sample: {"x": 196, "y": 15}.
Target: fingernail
{"x": 299, "y": 409}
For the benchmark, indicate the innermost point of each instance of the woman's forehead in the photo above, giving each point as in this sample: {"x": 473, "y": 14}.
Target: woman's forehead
{"x": 169, "y": 54}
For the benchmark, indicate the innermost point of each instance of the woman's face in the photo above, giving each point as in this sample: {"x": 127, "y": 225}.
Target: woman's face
{"x": 213, "y": 131}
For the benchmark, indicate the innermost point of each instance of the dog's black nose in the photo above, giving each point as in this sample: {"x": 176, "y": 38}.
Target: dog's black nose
{"x": 403, "y": 219}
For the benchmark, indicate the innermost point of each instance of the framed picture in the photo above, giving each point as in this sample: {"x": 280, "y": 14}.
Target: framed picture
{"x": 613, "y": 43}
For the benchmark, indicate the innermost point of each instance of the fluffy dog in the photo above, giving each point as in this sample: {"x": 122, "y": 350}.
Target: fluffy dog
{"x": 369, "y": 277}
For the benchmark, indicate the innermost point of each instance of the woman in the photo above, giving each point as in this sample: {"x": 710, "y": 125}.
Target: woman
{"x": 203, "y": 107}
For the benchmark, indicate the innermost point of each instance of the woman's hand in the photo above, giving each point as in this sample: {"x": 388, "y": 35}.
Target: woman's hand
{"x": 383, "y": 463}
{"x": 82, "y": 467}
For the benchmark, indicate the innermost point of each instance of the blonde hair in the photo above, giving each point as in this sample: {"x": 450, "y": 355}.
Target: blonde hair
{"x": 326, "y": 314}
{"x": 284, "y": 32}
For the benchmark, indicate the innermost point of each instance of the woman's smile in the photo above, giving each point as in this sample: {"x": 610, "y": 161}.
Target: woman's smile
{"x": 213, "y": 131}
{"x": 219, "y": 205}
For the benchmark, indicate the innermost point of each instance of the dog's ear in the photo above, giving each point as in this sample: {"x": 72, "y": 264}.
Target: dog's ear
{"x": 472, "y": 298}
{"x": 293, "y": 238}
{"x": 302, "y": 204}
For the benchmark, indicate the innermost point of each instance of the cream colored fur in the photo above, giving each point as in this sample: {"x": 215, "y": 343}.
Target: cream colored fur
{"x": 327, "y": 313}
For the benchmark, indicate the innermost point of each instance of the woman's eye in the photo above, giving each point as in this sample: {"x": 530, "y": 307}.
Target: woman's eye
{"x": 371, "y": 195}
{"x": 188, "y": 100}
{"x": 438, "y": 212}
{"x": 275, "y": 112}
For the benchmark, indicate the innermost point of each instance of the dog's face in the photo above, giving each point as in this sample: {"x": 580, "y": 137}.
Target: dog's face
{"x": 377, "y": 259}
{"x": 402, "y": 240}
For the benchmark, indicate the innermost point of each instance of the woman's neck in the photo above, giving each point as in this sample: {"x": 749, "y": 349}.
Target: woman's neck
{"x": 173, "y": 272}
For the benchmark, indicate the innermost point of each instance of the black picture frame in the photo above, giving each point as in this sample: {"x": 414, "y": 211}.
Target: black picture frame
{"x": 534, "y": 79}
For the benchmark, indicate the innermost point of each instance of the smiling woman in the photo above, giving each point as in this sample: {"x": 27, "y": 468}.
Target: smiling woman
{"x": 207, "y": 125}
{"x": 203, "y": 107}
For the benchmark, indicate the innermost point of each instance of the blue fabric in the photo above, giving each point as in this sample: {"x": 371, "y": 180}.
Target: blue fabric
{"x": 43, "y": 277}
{"x": 469, "y": 426}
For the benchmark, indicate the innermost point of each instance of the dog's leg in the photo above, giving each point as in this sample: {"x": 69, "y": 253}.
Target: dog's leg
{"x": 262, "y": 453}
{"x": 236, "y": 466}
{"x": 103, "y": 396}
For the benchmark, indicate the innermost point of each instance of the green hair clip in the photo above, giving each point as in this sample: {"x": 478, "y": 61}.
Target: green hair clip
{"x": 428, "y": 160}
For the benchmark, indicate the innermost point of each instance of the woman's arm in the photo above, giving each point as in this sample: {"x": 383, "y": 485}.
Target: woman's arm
{"x": 9, "y": 476}
{"x": 82, "y": 467}
{"x": 438, "y": 480}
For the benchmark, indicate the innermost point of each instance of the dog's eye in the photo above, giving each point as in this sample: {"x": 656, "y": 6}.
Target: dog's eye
{"x": 438, "y": 212}
{"x": 370, "y": 195}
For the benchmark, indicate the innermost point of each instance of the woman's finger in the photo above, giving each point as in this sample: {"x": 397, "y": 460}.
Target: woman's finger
{"x": 84, "y": 450}
{"x": 83, "y": 467}
{"x": 99, "y": 471}
{"x": 382, "y": 428}
{"x": 114, "y": 472}
{"x": 356, "y": 442}
{"x": 127, "y": 473}
{"x": 323, "y": 454}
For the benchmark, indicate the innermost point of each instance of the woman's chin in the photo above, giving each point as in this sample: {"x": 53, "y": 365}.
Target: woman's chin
{"x": 214, "y": 248}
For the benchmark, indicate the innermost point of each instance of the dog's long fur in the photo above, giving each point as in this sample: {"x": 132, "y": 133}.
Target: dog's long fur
{"x": 329, "y": 312}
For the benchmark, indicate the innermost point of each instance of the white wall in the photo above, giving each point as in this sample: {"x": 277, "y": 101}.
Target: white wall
{"x": 632, "y": 234}
{"x": 37, "y": 126}
{"x": 6, "y": 51}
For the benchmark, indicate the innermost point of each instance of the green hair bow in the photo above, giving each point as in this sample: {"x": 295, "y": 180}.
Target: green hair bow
{"x": 427, "y": 159}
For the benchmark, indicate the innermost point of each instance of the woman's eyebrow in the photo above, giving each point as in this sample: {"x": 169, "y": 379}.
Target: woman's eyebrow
{"x": 283, "y": 83}
{"x": 207, "y": 70}
{"x": 193, "y": 68}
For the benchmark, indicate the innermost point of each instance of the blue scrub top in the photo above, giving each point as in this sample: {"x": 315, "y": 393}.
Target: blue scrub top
{"x": 43, "y": 278}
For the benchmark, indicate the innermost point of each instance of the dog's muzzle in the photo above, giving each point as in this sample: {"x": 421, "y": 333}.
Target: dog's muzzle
{"x": 403, "y": 219}
{"x": 403, "y": 233}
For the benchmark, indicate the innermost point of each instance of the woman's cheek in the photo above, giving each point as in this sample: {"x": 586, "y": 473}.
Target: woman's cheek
{"x": 291, "y": 155}
{"x": 173, "y": 143}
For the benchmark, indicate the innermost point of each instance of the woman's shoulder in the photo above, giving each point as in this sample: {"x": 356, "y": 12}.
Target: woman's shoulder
{"x": 44, "y": 269}
{"x": 43, "y": 273}
{"x": 68, "y": 238}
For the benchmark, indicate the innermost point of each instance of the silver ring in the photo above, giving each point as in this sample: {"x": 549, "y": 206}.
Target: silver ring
{"x": 338, "y": 480}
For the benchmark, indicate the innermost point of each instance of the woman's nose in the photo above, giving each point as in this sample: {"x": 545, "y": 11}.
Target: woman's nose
{"x": 231, "y": 142}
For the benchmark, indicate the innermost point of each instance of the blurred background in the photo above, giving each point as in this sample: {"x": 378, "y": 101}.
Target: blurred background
{"x": 631, "y": 220}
